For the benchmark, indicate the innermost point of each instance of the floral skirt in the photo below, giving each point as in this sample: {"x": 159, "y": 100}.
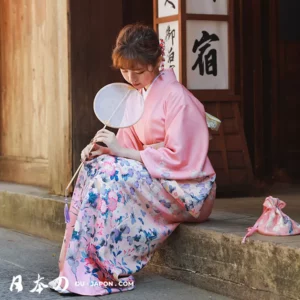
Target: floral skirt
{"x": 119, "y": 216}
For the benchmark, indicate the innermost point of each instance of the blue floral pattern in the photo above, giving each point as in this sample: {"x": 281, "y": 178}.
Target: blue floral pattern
{"x": 119, "y": 217}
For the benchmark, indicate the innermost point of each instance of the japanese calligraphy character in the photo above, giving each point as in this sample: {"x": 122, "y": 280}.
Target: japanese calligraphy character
{"x": 170, "y": 55}
{"x": 56, "y": 284}
{"x": 171, "y": 3}
{"x": 18, "y": 284}
{"x": 170, "y": 34}
{"x": 206, "y": 62}
{"x": 39, "y": 285}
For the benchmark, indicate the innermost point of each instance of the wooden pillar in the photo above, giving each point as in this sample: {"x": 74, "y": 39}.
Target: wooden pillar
{"x": 259, "y": 164}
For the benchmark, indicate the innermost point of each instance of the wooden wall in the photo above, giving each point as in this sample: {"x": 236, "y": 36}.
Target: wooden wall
{"x": 94, "y": 27}
{"x": 271, "y": 76}
{"x": 35, "y": 113}
{"x": 138, "y": 11}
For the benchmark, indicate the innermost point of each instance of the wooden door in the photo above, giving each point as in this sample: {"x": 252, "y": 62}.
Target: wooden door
{"x": 35, "y": 108}
{"x": 289, "y": 92}
{"x": 94, "y": 27}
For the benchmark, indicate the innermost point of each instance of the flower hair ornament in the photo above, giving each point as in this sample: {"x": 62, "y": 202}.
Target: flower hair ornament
{"x": 162, "y": 47}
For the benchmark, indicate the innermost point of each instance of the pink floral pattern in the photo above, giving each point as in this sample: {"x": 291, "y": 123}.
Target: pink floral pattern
{"x": 119, "y": 216}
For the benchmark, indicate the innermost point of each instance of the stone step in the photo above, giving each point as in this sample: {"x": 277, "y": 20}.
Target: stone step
{"x": 208, "y": 255}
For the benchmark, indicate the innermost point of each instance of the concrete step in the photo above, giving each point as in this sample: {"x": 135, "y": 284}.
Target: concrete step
{"x": 208, "y": 255}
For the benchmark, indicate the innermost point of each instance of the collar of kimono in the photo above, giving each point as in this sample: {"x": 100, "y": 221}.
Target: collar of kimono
{"x": 168, "y": 76}
{"x": 164, "y": 77}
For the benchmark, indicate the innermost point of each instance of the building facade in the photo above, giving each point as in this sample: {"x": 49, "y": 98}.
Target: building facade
{"x": 240, "y": 59}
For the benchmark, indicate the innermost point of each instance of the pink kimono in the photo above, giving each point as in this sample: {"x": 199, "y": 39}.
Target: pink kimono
{"x": 122, "y": 210}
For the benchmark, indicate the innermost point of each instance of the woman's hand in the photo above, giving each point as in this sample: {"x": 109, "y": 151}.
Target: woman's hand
{"x": 88, "y": 153}
{"x": 109, "y": 139}
{"x": 113, "y": 147}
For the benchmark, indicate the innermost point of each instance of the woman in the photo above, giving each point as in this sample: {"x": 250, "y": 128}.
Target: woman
{"x": 131, "y": 195}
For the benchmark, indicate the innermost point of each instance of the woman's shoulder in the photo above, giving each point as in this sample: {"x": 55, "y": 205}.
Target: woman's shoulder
{"x": 172, "y": 92}
{"x": 176, "y": 92}
{"x": 173, "y": 88}
{"x": 169, "y": 82}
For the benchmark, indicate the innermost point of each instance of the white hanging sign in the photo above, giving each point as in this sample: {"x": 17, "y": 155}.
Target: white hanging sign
{"x": 207, "y": 7}
{"x": 207, "y": 55}
{"x": 167, "y": 8}
{"x": 169, "y": 33}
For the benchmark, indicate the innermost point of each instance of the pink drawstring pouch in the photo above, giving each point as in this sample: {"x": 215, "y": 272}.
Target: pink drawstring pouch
{"x": 273, "y": 221}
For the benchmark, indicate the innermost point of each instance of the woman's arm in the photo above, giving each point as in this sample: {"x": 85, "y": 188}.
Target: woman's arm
{"x": 184, "y": 154}
{"x": 114, "y": 148}
{"x": 130, "y": 153}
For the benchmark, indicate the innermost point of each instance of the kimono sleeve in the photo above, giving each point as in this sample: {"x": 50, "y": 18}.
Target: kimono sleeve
{"x": 186, "y": 142}
{"x": 127, "y": 138}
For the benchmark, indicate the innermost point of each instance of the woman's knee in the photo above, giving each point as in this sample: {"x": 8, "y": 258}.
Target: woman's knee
{"x": 207, "y": 208}
{"x": 205, "y": 212}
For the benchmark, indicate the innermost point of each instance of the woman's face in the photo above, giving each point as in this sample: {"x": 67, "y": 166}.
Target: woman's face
{"x": 140, "y": 77}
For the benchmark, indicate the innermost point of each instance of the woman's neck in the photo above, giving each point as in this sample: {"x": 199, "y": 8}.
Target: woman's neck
{"x": 156, "y": 73}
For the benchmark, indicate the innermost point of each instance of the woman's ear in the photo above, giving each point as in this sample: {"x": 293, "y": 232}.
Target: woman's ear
{"x": 150, "y": 68}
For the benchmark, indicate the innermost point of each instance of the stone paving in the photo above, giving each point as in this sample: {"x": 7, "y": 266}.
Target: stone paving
{"x": 29, "y": 256}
